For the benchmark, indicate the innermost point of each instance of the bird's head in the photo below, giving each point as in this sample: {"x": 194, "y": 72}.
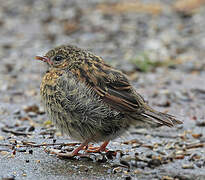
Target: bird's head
{"x": 63, "y": 56}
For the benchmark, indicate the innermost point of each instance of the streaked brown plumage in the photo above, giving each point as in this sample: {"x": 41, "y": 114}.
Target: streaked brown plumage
{"x": 90, "y": 100}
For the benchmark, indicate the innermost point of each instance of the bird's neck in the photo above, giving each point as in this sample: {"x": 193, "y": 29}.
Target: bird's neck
{"x": 50, "y": 77}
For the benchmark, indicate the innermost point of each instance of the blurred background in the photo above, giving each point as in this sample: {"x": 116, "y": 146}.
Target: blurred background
{"x": 159, "y": 44}
{"x": 133, "y": 35}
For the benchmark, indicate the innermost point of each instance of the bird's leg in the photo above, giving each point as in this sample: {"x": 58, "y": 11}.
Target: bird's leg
{"x": 98, "y": 149}
{"x": 72, "y": 154}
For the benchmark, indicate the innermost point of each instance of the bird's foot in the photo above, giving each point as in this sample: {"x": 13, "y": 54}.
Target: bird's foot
{"x": 72, "y": 154}
{"x": 98, "y": 149}
{"x": 75, "y": 152}
{"x": 66, "y": 154}
{"x": 59, "y": 153}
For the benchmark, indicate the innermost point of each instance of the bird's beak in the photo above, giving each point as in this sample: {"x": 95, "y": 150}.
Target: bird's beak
{"x": 43, "y": 58}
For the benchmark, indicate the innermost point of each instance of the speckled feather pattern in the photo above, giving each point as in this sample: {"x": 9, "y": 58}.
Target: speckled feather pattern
{"x": 89, "y": 100}
{"x": 79, "y": 112}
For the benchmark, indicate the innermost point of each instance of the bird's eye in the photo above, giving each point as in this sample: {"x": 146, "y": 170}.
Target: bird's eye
{"x": 58, "y": 58}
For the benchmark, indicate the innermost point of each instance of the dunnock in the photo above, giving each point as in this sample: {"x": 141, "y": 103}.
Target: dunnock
{"x": 92, "y": 101}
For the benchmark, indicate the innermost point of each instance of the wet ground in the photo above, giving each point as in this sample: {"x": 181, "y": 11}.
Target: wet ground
{"x": 158, "y": 44}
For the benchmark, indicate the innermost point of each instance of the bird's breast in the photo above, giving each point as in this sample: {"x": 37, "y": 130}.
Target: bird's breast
{"x": 49, "y": 82}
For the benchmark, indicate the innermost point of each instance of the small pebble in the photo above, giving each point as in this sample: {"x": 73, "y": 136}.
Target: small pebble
{"x": 101, "y": 158}
{"x": 32, "y": 108}
{"x": 30, "y": 151}
{"x": 200, "y": 123}
{"x": 9, "y": 178}
{"x": 199, "y": 164}
{"x": 167, "y": 178}
{"x": 110, "y": 154}
{"x": 117, "y": 170}
{"x": 32, "y": 114}
{"x": 137, "y": 171}
{"x": 194, "y": 157}
{"x": 188, "y": 166}
{"x": 4, "y": 153}
{"x": 2, "y": 138}
{"x": 179, "y": 157}
{"x": 31, "y": 128}
{"x": 154, "y": 163}
{"x": 141, "y": 165}
{"x": 21, "y": 129}
{"x": 21, "y": 149}
{"x": 128, "y": 178}
{"x": 17, "y": 112}
{"x": 125, "y": 163}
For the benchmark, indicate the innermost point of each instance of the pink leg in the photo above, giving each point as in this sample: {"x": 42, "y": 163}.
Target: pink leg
{"x": 98, "y": 149}
{"x": 72, "y": 154}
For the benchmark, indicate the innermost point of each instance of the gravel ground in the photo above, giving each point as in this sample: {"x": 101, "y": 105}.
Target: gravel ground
{"x": 159, "y": 44}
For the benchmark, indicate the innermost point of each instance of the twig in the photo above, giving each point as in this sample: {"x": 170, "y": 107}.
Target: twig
{"x": 139, "y": 144}
{"x": 195, "y": 145}
{"x": 39, "y": 145}
{"x": 17, "y": 133}
{"x": 52, "y": 144}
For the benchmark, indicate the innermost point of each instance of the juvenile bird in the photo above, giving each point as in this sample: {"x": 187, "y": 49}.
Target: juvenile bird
{"x": 91, "y": 101}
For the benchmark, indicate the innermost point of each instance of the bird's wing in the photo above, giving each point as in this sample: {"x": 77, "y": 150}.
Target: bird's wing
{"x": 111, "y": 85}
{"x": 114, "y": 88}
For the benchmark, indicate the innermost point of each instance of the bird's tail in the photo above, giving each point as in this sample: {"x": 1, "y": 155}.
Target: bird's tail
{"x": 155, "y": 118}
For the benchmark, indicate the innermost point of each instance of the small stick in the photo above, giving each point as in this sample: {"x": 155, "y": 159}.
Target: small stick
{"x": 17, "y": 133}
{"x": 39, "y": 145}
{"x": 195, "y": 145}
